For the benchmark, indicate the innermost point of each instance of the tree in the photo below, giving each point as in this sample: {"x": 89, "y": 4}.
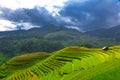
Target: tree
{"x": 86, "y": 44}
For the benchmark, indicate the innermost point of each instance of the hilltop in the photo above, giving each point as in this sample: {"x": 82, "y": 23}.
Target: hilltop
{"x": 70, "y": 63}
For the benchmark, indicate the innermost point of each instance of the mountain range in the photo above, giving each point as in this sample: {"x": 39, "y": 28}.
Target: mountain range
{"x": 52, "y": 38}
{"x": 113, "y": 33}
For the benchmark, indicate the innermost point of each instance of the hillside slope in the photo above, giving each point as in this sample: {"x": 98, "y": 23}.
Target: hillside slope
{"x": 47, "y": 39}
{"x": 21, "y": 62}
{"x": 71, "y": 63}
{"x": 36, "y": 32}
{"x": 112, "y": 33}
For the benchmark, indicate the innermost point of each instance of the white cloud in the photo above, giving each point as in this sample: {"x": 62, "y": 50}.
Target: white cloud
{"x": 53, "y": 6}
{"x": 49, "y": 4}
{"x": 15, "y": 4}
{"x": 6, "y": 25}
{"x": 28, "y": 25}
{"x": 74, "y": 27}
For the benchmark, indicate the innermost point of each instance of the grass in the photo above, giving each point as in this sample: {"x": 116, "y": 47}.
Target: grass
{"x": 2, "y": 58}
{"x": 71, "y": 63}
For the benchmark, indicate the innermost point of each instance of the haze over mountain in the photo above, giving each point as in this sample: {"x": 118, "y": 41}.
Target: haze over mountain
{"x": 84, "y": 15}
{"x": 112, "y": 33}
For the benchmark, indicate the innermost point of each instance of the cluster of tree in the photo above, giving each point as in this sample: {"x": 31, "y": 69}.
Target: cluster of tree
{"x": 11, "y": 47}
{"x": 111, "y": 33}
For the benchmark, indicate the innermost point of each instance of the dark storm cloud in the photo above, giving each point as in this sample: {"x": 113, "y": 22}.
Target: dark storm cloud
{"x": 14, "y": 15}
{"x": 89, "y": 15}
{"x": 93, "y": 14}
{"x": 37, "y": 16}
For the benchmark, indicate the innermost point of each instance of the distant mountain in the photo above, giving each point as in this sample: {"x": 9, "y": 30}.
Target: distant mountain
{"x": 48, "y": 39}
{"x": 113, "y": 33}
{"x": 38, "y": 32}
{"x": 65, "y": 35}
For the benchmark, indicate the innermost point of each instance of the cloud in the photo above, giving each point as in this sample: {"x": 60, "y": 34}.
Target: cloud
{"x": 6, "y": 25}
{"x": 25, "y": 25}
{"x": 9, "y": 25}
{"x": 48, "y": 4}
{"x": 73, "y": 27}
{"x": 80, "y": 14}
{"x": 93, "y": 14}
{"x": 36, "y": 16}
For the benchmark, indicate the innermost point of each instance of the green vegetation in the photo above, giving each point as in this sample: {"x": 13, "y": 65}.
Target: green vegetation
{"x": 47, "y": 39}
{"x": 70, "y": 63}
{"x": 22, "y": 62}
{"x": 14, "y": 46}
{"x": 86, "y": 61}
{"x": 109, "y": 33}
{"x": 2, "y": 58}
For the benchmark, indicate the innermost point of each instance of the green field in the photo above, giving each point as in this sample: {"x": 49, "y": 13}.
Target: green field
{"x": 71, "y": 63}
{"x": 2, "y": 58}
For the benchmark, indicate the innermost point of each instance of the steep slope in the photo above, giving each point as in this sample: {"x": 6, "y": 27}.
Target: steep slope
{"x": 22, "y": 62}
{"x": 112, "y": 33}
{"x": 71, "y": 63}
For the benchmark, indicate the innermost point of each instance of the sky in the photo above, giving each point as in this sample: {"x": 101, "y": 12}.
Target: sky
{"x": 83, "y": 15}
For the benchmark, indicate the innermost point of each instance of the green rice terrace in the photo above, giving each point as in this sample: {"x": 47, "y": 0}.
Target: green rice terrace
{"x": 71, "y": 63}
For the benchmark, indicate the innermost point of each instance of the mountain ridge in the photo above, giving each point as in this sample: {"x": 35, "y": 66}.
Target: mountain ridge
{"x": 48, "y": 39}
{"x": 106, "y": 33}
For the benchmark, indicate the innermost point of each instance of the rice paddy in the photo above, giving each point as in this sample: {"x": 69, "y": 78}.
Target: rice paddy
{"x": 71, "y": 63}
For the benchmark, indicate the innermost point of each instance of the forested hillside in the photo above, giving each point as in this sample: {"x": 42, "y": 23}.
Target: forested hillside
{"x": 112, "y": 33}
{"x": 47, "y": 39}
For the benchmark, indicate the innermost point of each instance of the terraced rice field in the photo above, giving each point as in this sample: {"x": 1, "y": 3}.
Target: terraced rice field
{"x": 71, "y": 63}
